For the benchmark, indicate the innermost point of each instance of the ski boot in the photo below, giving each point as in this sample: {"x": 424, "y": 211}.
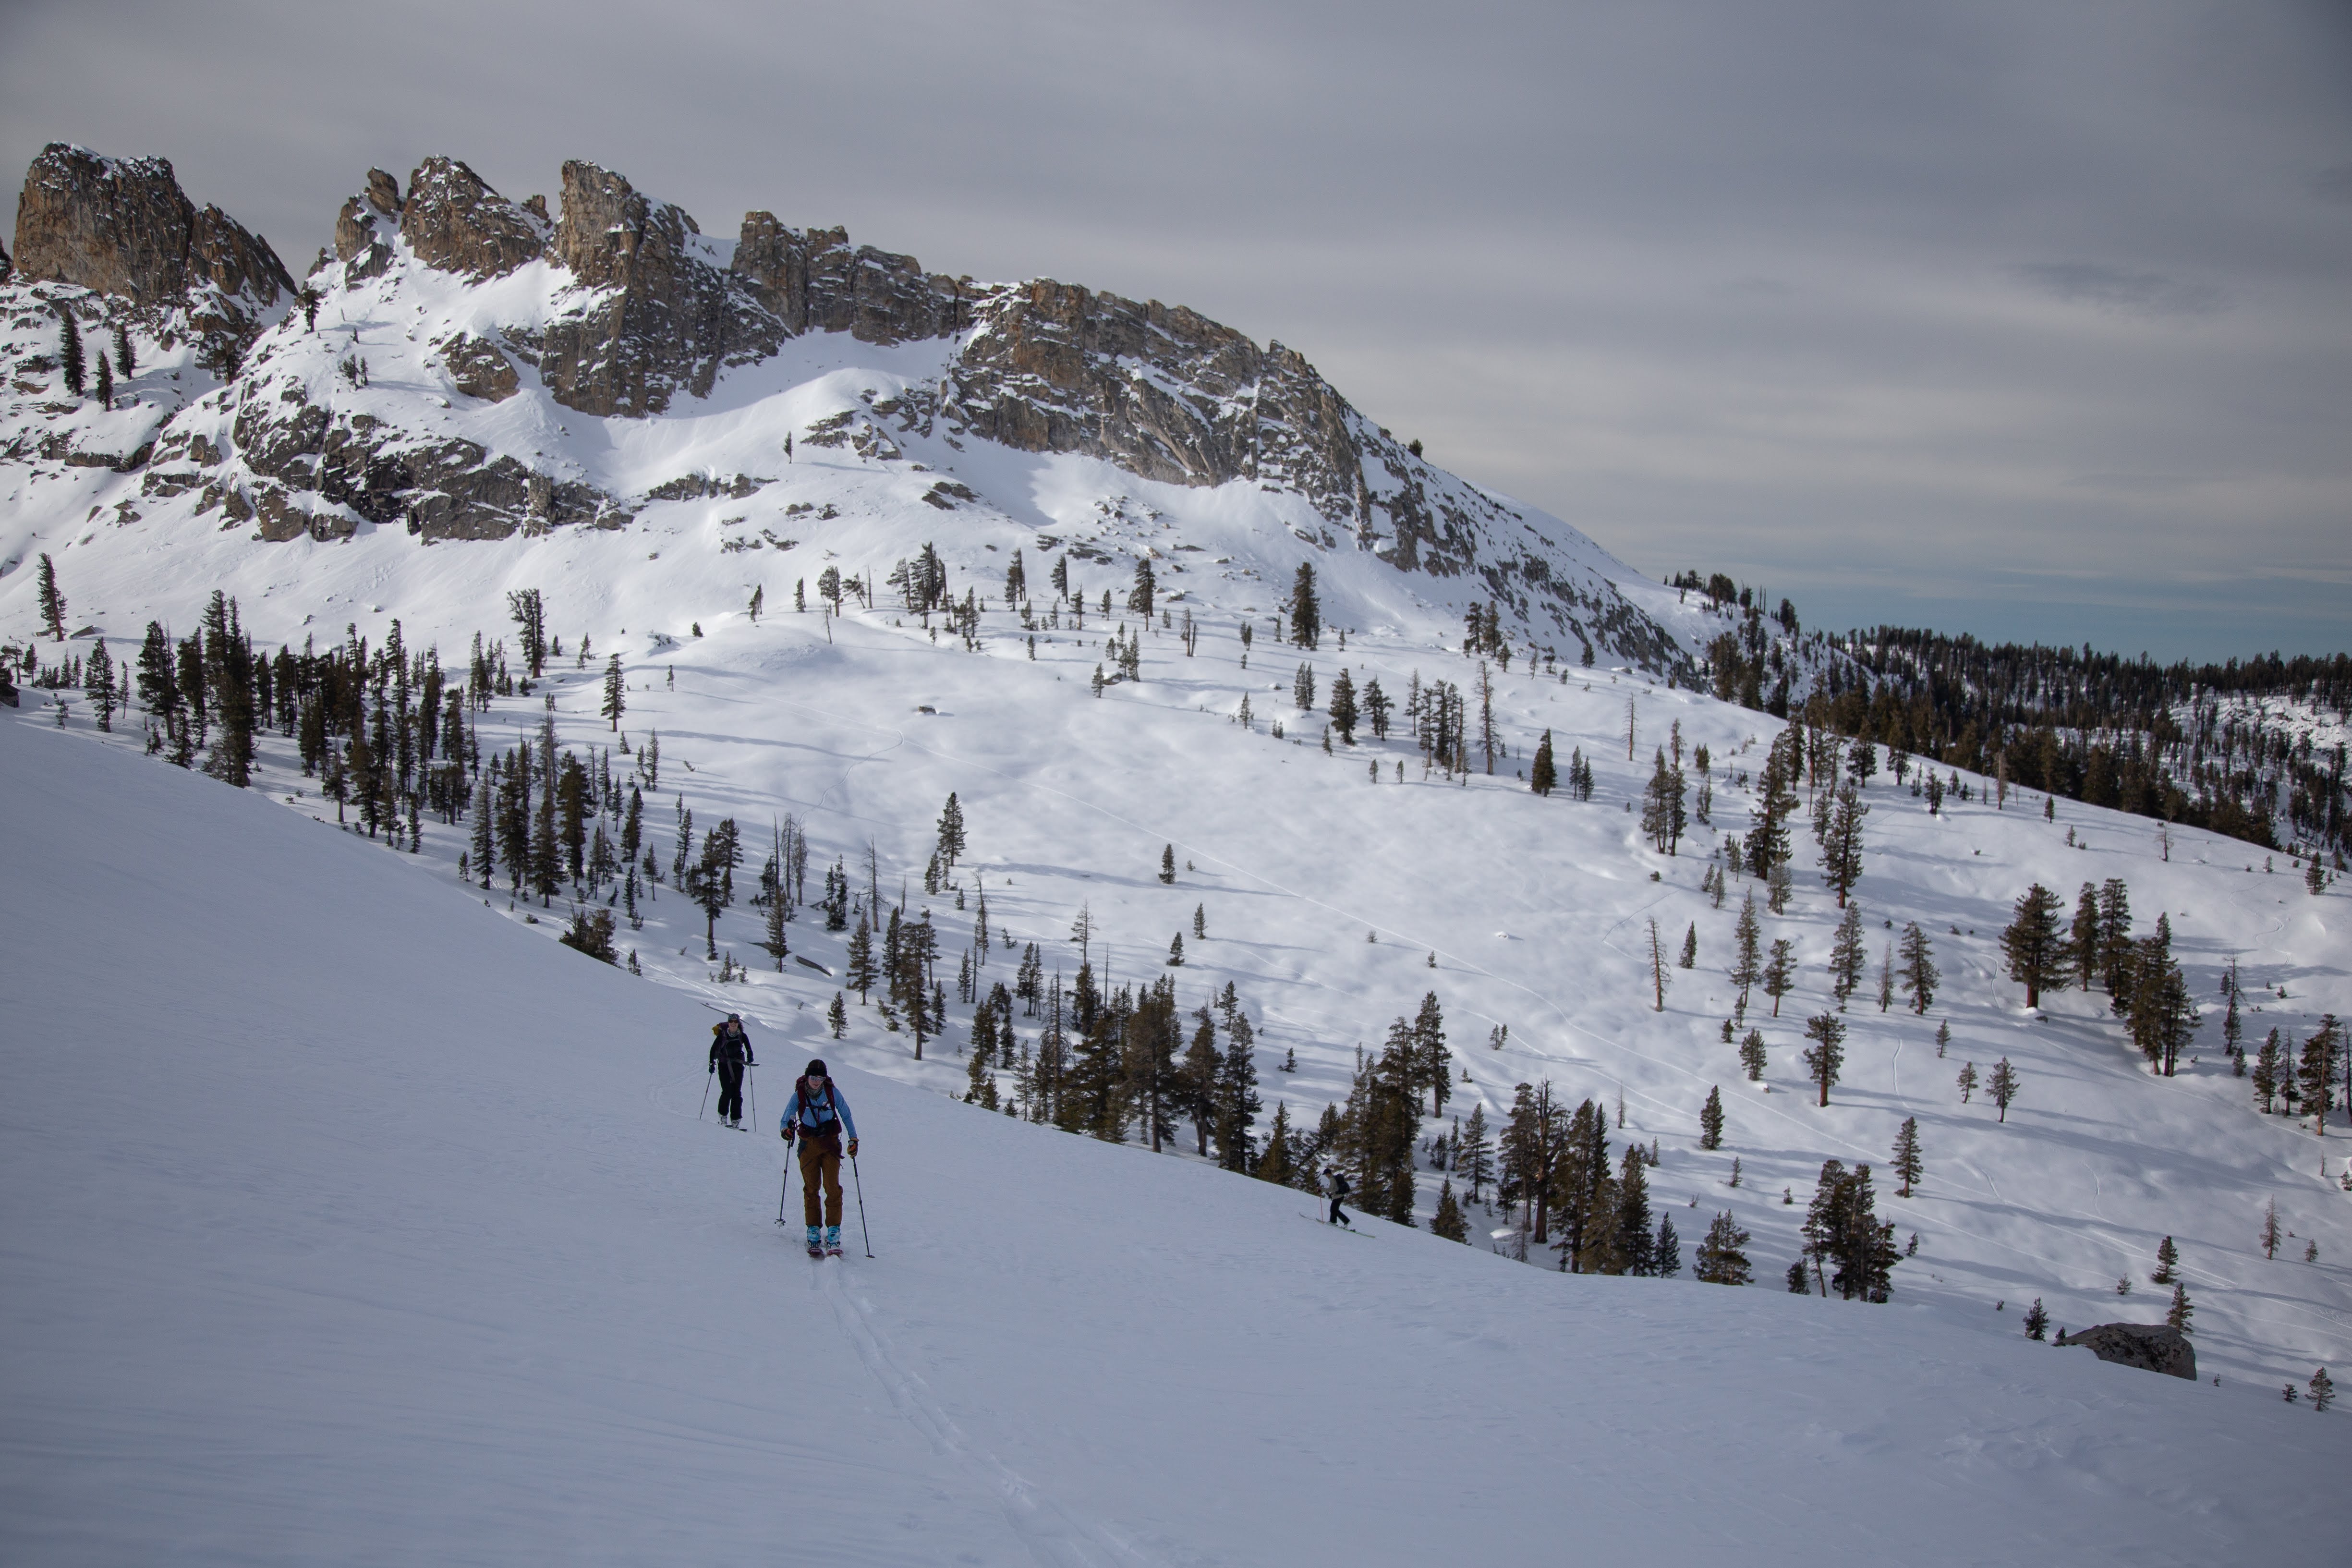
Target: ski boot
{"x": 816, "y": 1245}
{"x": 833, "y": 1241}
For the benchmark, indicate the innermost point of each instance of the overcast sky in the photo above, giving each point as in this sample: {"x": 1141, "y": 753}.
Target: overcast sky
{"x": 2025, "y": 320}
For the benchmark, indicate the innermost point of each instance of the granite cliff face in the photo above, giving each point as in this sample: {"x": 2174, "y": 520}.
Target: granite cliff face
{"x": 620, "y": 306}
{"x": 123, "y": 227}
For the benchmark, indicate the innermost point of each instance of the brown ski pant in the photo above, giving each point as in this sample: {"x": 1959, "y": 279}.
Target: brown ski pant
{"x": 821, "y": 1162}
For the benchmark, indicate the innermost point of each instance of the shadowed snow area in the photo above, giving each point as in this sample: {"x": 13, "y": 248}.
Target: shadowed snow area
{"x": 346, "y": 1220}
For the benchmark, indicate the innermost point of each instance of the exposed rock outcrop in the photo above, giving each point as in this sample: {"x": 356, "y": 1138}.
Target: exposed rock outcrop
{"x": 455, "y": 222}
{"x": 363, "y": 227}
{"x": 2151, "y": 1347}
{"x": 654, "y": 313}
{"x": 124, "y": 226}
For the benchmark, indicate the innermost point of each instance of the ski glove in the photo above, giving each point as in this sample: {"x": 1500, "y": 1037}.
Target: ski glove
{"x": 853, "y": 1148}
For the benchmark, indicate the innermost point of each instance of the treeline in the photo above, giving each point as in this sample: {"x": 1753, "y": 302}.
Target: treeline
{"x": 2164, "y": 740}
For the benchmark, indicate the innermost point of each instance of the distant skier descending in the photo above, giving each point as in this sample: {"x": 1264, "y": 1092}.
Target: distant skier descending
{"x": 730, "y": 1053}
{"x": 819, "y": 1117}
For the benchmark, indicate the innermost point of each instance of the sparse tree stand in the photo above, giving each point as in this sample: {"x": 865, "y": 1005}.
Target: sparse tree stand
{"x": 1825, "y": 1058}
{"x": 53, "y": 603}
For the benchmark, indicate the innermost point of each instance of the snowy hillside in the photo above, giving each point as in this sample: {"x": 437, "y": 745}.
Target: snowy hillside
{"x": 593, "y": 404}
{"x": 357, "y": 1228}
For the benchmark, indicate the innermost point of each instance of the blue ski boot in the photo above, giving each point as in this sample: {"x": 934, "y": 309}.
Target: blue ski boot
{"x": 833, "y": 1241}
{"x": 815, "y": 1247}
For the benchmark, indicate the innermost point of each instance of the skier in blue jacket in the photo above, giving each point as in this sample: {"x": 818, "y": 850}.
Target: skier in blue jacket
{"x": 819, "y": 1117}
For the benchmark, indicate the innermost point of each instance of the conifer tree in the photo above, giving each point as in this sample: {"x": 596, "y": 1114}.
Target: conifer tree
{"x": 124, "y": 360}
{"x": 1448, "y": 1221}
{"x": 1842, "y": 842}
{"x": 1920, "y": 976}
{"x": 1306, "y": 614}
{"x": 859, "y": 970}
{"x": 1781, "y": 972}
{"x": 1277, "y": 1163}
{"x": 1722, "y": 1257}
{"x": 99, "y": 685}
{"x": 1826, "y": 1056}
{"x": 951, "y": 832}
{"x": 615, "y": 688}
{"x": 1746, "y": 965}
{"x": 1657, "y": 971}
{"x": 1886, "y": 976}
{"x": 1666, "y": 1249}
{"x": 1906, "y": 1163}
{"x": 2322, "y": 1391}
{"x": 2032, "y": 945}
{"x": 1631, "y": 1242}
{"x": 2037, "y": 1321}
{"x": 1167, "y": 863}
{"x": 69, "y": 354}
{"x": 1302, "y": 688}
{"x": 2270, "y": 1233}
{"x": 1543, "y": 776}
{"x": 1342, "y": 705}
{"x": 2269, "y": 1066}
{"x": 2181, "y": 1312}
{"x": 1689, "y": 958}
{"x": 1849, "y": 956}
{"x": 52, "y": 602}
{"x": 2002, "y": 1085}
{"x": 1967, "y": 1080}
{"x": 1751, "y": 1055}
{"x": 1943, "y": 1038}
{"x": 104, "y": 390}
{"x": 1475, "y": 1158}
{"x": 2167, "y": 1262}
{"x": 1711, "y": 1119}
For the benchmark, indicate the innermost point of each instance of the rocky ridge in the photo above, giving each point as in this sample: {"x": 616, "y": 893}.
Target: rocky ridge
{"x": 639, "y": 309}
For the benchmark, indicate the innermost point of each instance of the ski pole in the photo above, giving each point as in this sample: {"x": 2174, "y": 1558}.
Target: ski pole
{"x": 753, "y": 1079}
{"x": 706, "y": 1094}
{"x": 861, "y": 1205}
{"x": 788, "y": 1184}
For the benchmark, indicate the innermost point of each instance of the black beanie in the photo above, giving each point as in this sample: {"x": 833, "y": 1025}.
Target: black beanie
{"x": 815, "y": 1068}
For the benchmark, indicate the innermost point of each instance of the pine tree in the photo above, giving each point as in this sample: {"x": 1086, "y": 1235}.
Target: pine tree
{"x": 2167, "y": 1262}
{"x": 616, "y": 686}
{"x": 1968, "y": 1080}
{"x": 2269, "y": 1066}
{"x": 2032, "y": 946}
{"x": 1302, "y": 688}
{"x": 2083, "y": 953}
{"x": 1722, "y": 1257}
{"x": 2037, "y": 1321}
{"x": 1448, "y": 1221}
{"x": 104, "y": 390}
{"x": 1906, "y": 1163}
{"x": 1542, "y": 775}
{"x": 124, "y": 360}
{"x": 1887, "y": 977}
{"x": 52, "y": 602}
{"x": 99, "y": 685}
{"x": 837, "y": 1016}
{"x": 1849, "y": 956}
{"x": 1920, "y": 976}
{"x": 1167, "y": 863}
{"x": 1657, "y": 971}
{"x": 1279, "y": 1164}
{"x": 2181, "y": 1311}
{"x": 951, "y": 832}
{"x": 1781, "y": 972}
{"x": 1746, "y": 967}
{"x": 2322, "y": 1391}
{"x": 1842, "y": 843}
{"x": 1666, "y": 1249}
{"x": 69, "y": 360}
{"x": 2270, "y": 1235}
{"x": 1475, "y": 1158}
{"x": 1826, "y": 1057}
{"x": 1689, "y": 958}
{"x": 1342, "y": 705}
{"x": 1306, "y": 614}
{"x": 1943, "y": 1038}
{"x": 1711, "y": 1119}
{"x": 2002, "y": 1085}
{"x": 1751, "y": 1055}
{"x": 859, "y": 972}
{"x": 1631, "y": 1242}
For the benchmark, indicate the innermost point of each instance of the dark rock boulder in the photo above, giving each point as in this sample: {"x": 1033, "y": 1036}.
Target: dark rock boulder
{"x": 652, "y": 313}
{"x": 456, "y": 223}
{"x": 2151, "y": 1347}
{"x": 477, "y": 369}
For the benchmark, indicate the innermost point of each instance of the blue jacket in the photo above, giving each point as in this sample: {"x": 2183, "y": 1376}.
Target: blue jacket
{"x": 812, "y": 1115}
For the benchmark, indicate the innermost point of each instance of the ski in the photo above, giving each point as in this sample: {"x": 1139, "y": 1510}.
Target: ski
{"x": 1318, "y": 1219}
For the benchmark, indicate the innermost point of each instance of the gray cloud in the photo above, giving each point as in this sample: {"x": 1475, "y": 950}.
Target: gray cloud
{"x": 1764, "y": 290}
{"x": 2146, "y": 294}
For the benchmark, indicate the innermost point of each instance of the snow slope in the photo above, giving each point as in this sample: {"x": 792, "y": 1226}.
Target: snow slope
{"x": 343, "y": 1224}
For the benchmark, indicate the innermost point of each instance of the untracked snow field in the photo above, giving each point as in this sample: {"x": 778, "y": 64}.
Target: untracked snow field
{"x": 343, "y": 1219}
